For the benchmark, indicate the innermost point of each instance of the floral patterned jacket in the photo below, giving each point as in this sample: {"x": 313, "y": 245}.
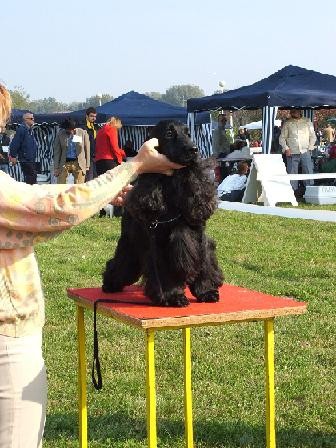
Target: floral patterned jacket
{"x": 33, "y": 213}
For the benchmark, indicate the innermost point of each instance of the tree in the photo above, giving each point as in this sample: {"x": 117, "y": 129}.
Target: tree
{"x": 94, "y": 100}
{"x": 20, "y": 98}
{"x": 154, "y": 95}
{"x": 47, "y": 105}
{"x": 179, "y": 94}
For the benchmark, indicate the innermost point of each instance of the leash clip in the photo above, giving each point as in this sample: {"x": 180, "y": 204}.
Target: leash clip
{"x": 154, "y": 224}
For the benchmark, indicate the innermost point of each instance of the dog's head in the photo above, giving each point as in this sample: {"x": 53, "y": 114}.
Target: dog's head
{"x": 175, "y": 142}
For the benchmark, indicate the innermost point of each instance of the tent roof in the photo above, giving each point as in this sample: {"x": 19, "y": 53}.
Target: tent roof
{"x": 289, "y": 87}
{"x": 136, "y": 109}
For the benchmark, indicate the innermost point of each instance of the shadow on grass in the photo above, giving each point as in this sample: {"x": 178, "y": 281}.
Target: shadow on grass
{"x": 121, "y": 427}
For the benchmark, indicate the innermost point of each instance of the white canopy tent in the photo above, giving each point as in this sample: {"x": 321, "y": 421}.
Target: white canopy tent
{"x": 258, "y": 125}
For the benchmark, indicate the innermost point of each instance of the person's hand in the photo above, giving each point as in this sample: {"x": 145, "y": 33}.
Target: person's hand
{"x": 12, "y": 160}
{"x": 288, "y": 152}
{"x": 56, "y": 172}
{"x": 150, "y": 161}
{"x": 120, "y": 198}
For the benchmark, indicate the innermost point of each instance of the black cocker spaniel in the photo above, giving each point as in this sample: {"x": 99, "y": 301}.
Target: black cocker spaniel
{"x": 163, "y": 228}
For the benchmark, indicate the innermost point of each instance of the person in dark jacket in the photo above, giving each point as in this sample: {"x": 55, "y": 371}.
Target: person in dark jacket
{"x": 4, "y": 143}
{"x": 91, "y": 128}
{"x": 23, "y": 147}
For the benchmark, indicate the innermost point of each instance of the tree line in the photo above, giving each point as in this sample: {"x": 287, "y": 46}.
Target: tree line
{"x": 176, "y": 95}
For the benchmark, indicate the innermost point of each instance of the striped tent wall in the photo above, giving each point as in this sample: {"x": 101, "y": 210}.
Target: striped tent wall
{"x": 268, "y": 117}
{"x": 16, "y": 172}
{"x": 201, "y": 135}
{"x": 308, "y": 113}
{"x": 136, "y": 134}
{"x": 203, "y": 139}
{"x": 45, "y": 136}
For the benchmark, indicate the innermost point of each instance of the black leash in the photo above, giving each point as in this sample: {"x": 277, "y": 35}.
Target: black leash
{"x": 97, "y": 380}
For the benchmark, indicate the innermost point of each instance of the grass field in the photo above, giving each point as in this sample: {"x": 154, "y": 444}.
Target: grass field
{"x": 275, "y": 255}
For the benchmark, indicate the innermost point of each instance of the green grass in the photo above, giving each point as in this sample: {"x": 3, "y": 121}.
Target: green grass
{"x": 275, "y": 255}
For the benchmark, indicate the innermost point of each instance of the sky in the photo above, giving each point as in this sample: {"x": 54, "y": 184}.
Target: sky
{"x": 73, "y": 49}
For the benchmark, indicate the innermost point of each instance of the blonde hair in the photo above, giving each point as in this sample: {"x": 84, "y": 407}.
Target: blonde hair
{"x": 115, "y": 122}
{"x": 5, "y": 105}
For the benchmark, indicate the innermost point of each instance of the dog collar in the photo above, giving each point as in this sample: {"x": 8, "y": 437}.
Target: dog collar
{"x": 155, "y": 223}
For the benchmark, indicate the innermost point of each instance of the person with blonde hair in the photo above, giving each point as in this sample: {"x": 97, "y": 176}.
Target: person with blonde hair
{"x": 30, "y": 214}
{"x": 108, "y": 153}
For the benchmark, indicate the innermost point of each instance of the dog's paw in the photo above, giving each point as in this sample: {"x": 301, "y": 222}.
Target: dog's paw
{"x": 109, "y": 287}
{"x": 179, "y": 301}
{"x": 208, "y": 297}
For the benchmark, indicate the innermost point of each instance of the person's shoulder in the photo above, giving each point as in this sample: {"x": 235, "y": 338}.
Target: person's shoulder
{"x": 20, "y": 129}
{"x": 61, "y": 132}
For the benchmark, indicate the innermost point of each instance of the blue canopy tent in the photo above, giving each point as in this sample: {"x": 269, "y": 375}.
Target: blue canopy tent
{"x": 138, "y": 112}
{"x": 136, "y": 109}
{"x": 289, "y": 87}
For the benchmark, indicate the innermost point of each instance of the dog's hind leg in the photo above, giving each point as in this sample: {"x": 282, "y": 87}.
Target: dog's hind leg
{"x": 210, "y": 278}
{"x": 123, "y": 269}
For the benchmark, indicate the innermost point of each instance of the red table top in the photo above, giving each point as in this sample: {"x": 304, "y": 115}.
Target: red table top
{"x": 235, "y": 304}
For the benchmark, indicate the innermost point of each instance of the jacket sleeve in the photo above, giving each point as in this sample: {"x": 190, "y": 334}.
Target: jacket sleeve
{"x": 283, "y": 137}
{"x": 46, "y": 210}
{"x": 87, "y": 149}
{"x": 16, "y": 142}
{"x": 312, "y": 136}
{"x": 117, "y": 152}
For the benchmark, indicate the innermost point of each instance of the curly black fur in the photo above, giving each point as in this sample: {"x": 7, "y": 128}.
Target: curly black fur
{"x": 163, "y": 228}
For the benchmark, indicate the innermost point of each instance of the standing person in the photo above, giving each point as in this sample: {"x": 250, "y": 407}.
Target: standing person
{"x": 108, "y": 152}
{"x": 28, "y": 215}
{"x": 297, "y": 139}
{"x": 329, "y": 134}
{"x": 4, "y": 143}
{"x": 91, "y": 128}
{"x": 23, "y": 147}
{"x": 71, "y": 153}
{"x": 220, "y": 142}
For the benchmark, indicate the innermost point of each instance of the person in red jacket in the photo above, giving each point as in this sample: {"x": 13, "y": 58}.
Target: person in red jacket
{"x": 108, "y": 153}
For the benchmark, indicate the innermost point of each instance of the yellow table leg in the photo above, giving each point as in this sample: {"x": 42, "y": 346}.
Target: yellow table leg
{"x": 188, "y": 419}
{"x": 270, "y": 396}
{"x": 83, "y": 437}
{"x": 150, "y": 389}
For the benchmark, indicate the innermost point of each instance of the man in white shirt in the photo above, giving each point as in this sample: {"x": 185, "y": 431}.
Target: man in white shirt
{"x": 233, "y": 186}
{"x": 297, "y": 139}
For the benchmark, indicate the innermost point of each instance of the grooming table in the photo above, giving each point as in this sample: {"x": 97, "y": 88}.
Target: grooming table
{"x": 235, "y": 305}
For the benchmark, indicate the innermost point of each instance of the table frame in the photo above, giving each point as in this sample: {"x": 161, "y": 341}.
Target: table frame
{"x": 150, "y": 382}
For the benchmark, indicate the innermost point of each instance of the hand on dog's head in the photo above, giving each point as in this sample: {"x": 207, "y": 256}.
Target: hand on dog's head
{"x": 175, "y": 142}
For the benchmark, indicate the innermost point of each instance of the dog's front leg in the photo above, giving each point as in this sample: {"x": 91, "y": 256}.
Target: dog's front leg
{"x": 123, "y": 269}
{"x": 162, "y": 285}
{"x": 210, "y": 277}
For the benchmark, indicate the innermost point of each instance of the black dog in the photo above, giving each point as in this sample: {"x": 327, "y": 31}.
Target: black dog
{"x": 162, "y": 235}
